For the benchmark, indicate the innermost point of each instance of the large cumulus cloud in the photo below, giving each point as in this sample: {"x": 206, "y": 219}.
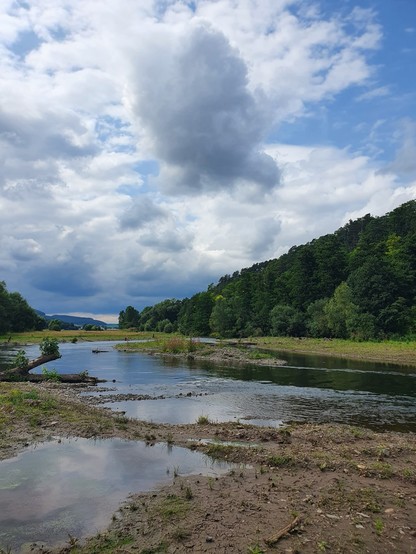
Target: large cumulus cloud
{"x": 205, "y": 125}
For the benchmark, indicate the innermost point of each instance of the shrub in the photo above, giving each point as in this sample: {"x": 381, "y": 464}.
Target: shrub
{"x": 49, "y": 347}
{"x": 21, "y": 360}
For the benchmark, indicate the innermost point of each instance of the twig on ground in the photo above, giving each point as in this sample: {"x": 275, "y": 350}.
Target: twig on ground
{"x": 276, "y": 538}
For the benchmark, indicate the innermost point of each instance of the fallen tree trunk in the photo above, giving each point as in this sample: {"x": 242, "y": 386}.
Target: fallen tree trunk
{"x": 65, "y": 378}
{"x": 22, "y": 373}
{"x": 14, "y": 373}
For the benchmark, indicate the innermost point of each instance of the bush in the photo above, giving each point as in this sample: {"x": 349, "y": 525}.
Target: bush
{"x": 50, "y": 374}
{"x": 49, "y": 347}
{"x": 21, "y": 360}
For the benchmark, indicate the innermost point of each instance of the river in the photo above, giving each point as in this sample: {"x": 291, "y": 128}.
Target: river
{"x": 308, "y": 388}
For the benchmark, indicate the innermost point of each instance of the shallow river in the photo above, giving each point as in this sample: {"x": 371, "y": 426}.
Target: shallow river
{"x": 308, "y": 388}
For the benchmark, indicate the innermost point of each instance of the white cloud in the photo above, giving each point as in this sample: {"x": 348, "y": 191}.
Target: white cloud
{"x": 95, "y": 92}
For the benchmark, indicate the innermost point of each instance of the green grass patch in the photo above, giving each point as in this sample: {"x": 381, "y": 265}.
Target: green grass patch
{"x": 17, "y": 404}
{"x": 258, "y": 355}
{"x": 220, "y": 451}
{"x": 280, "y": 461}
{"x": 173, "y": 507}
{"x": 104, "y": 543}
{"x": 391, "y": 352}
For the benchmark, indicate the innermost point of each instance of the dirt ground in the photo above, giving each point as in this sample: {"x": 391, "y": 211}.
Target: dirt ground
{"x": 341, "y": 488}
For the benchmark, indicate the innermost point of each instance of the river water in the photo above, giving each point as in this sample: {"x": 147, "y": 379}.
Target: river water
{"x": 308, "y": 388}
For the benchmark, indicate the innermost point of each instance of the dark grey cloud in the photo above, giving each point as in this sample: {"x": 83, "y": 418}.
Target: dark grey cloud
{"x": 73, "y": 278}
{"x": 206, "y": 126}
{"x": 141, "y": 212}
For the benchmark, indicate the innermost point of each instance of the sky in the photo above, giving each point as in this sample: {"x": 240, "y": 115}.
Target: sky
{"x": 148, "y": 147}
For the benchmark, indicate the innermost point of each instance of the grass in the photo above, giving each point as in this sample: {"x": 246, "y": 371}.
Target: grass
{"x": 104, "y": 543}
{"x": 280, "y": 461}
{"x": 388, "y": 352}
{"x": 28, "y": 405}
{"x": 173, "y": 507}
{"x": 220, "y": 451}
{"x": 168, "y": 344}
{"x": 379, "y": 526}
{"x": 203, "y": 420}
{"x": 35, "y": 337}
{"x": 25, "y": 406}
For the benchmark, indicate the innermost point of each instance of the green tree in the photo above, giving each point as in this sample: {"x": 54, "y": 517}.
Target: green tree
{"x": 54, "y": 325}
{"x": 317, "y": 319}
{"x": 340, "y": 310}
{"x": 287, "y": 321}
{"x": 128, "y": 318}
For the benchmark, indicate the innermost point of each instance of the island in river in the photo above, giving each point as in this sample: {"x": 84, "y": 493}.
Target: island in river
{"x": 299, "y": 488}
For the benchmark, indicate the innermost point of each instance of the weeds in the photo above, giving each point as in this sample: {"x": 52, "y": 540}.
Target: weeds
{"x": 203, "y": 420}
{"x": 379, "y": 526}
{"x": 180, "y": 534}
{"x": 255, "y": 549}
{"x": 280, "y": 461}
{"x": 21, "y": 360}
{"x": 50, "y": 374}
{"x": 173, "y": 507}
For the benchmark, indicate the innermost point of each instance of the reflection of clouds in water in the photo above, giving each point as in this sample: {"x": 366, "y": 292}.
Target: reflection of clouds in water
{"x": 275, "y": 404}
{"x": 83, "y": 481}
{"x": 177, "y": 410}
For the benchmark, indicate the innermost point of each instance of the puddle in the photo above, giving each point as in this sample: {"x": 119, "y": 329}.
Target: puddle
{"x": 74, "y": 486}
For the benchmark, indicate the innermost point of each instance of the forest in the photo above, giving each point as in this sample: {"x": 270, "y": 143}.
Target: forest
{"x": 15, "y": 313}
{"x": 357, "y": 283}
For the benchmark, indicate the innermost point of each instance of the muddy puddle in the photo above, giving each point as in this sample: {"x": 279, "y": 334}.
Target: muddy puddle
{"x": 70, "y": 488}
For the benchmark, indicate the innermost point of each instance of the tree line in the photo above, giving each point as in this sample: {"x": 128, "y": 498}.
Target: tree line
{"x": 16, "y": 315}
{"x": 358, "y": 283}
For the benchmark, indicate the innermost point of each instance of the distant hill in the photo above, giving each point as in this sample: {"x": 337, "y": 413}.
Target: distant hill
{"x": 75, "y": 320}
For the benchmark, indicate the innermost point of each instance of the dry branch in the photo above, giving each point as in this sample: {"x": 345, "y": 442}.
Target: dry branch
{"x": 276, "y": 538}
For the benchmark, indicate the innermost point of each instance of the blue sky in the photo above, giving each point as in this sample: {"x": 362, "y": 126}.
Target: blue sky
{"x": 148, "y": 148}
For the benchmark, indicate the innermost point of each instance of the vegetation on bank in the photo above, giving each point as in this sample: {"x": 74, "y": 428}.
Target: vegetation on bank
{"x": 35, "y": 337}
{"x": 392, "y": 352}
{"x": 357, "y": 283}
{"x": 388, "y": 351}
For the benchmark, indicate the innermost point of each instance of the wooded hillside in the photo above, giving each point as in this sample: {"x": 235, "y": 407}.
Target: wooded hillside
{"x": 359, "y": 282}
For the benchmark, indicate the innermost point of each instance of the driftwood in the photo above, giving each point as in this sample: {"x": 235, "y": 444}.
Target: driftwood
{"x": 22, "y": 373}
{"x": 66, "y": 378}
{"x": 276, "y": 538}
{"x": 16, "y": 372}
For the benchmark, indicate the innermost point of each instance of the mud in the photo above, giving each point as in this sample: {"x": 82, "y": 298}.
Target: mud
{"x": 349, "y": 489}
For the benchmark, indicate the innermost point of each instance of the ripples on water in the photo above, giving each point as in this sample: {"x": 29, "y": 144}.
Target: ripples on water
{"x": 309, "y": 388}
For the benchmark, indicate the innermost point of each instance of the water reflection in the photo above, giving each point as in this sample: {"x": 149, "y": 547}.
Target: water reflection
{"x": 74, "y": 486}
{"x": 310, "y": 388}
